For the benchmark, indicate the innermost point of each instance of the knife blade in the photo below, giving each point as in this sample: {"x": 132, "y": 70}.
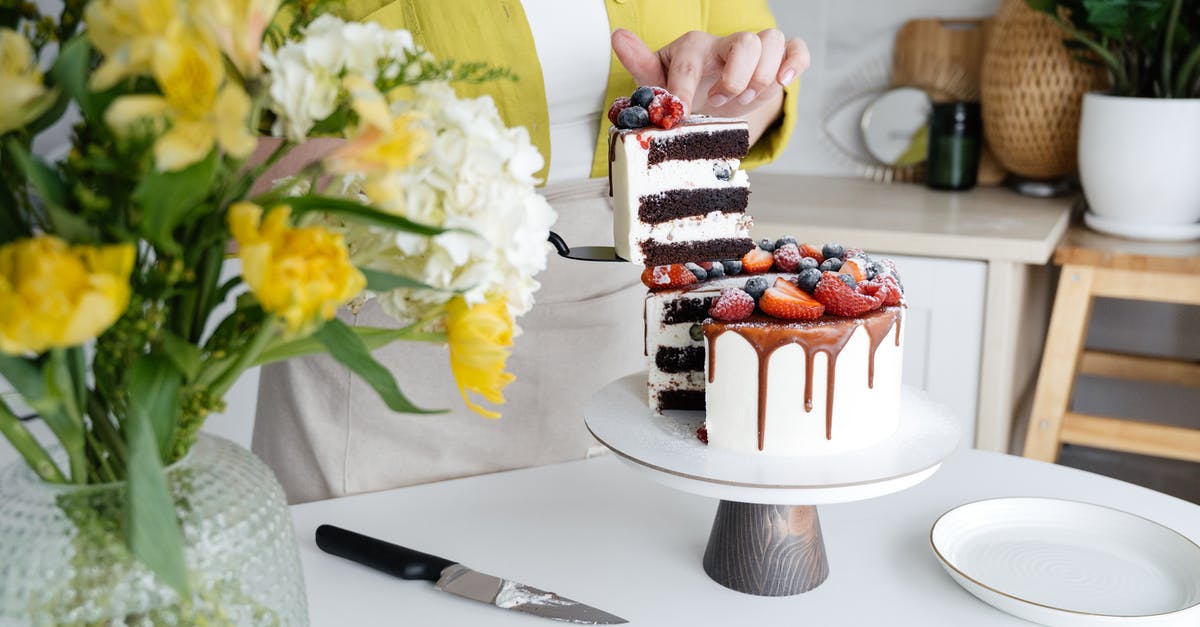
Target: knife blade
{"x": 455, "y": 578}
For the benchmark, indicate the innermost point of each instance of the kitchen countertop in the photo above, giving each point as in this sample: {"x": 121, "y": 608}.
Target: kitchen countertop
{"x": 987, "y": 223}
{"x": 602, "y": 534}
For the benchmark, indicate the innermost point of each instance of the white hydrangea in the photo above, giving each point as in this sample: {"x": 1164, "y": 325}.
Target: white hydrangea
{"x": 478, "y": 175}
{"x": 304, "y": 77}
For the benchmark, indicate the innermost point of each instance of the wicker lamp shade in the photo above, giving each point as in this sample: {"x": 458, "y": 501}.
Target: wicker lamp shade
{"x": 1031, "y": 90}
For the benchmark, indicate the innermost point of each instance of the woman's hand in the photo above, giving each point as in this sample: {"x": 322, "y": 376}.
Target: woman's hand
{"x": 741, "y": 75}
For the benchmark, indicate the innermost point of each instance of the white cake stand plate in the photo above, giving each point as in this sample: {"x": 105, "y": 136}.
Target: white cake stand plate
{"x": 766, "y": 538}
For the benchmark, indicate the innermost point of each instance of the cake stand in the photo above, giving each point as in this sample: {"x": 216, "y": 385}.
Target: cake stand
{"x": 766, "y": 538}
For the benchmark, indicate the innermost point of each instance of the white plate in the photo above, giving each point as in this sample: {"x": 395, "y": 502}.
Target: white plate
{"x": 667, "y": 448}
{"x": 1135, "y": 230}
{"x": 1067, "y": 564}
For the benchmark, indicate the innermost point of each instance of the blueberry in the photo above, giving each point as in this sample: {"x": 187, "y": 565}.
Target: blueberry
{"x": 875, "y": 269}
{"x": 807, "y": 279}
{"x": 642, "y": 96}
{"x": 767, "y": 245}
{"x": 633, "y": 117}
{"x": 701, "y": 273}
{"x": 831, "y": 264}
{"x": 786, "y": 239}
{"x": 808, "y": 262}
{"x": 722, "y": 171}
{"x": 847, "y": 279}
{"x": 755, "y": 286}
{"x": 833, "y": 250}
{"x": 732, "y": 266}
{"x": 697, "y": 332}
{"x": 717, "y": 270}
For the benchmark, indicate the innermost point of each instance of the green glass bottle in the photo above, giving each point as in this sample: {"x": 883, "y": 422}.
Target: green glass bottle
{"x": 955, "y": 138}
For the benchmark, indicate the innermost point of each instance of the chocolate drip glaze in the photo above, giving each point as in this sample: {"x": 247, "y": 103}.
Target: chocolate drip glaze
{"x": 828, "y": 335}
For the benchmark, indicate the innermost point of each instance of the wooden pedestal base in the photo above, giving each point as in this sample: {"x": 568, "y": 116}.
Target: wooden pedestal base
{"x": 767, "y": 550}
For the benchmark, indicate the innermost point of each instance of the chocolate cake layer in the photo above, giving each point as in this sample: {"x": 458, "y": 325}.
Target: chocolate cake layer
{"x": 693, "y": 309}
{"x": 664, "y": 253}
{"x": 674, "y": 359}
{"x": 681, "y": 399}
{"x": 718, "y": 144}
{"x": 684, "y": 203}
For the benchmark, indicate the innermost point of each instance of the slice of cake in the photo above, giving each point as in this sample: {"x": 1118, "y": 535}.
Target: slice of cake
{"x": 678, "y": 193}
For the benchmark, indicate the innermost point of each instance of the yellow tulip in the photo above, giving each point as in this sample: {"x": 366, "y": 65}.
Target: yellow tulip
{"x": 196, "y": 110}
{"x": 128, "y": 33}
{"x": 53, "y": 295}
{"x": 480, "y": 338}
{"x": 23, "y": 97}
{"x": 300, "y": 274}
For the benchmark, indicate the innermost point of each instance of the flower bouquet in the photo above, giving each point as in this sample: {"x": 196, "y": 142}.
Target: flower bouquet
{"x": 144, "y": 271}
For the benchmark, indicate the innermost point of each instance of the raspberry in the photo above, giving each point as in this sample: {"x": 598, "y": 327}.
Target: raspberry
{"x": 787, "y": 258}
{"x": 665, "y": 111}
{"x": 702, "y": 434}
{"x": 664, "y": 277}
{"x": 808, "y": 250}
{"x": 618, "y": 105}
{"x": 841, "y": 299}
{"x": 732, "y": 305}
{"x": 757, "y": 261}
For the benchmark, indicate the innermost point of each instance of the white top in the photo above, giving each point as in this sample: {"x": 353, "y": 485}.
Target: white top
{"x": 573, "y": 48}
{"x": 601, "y": 534}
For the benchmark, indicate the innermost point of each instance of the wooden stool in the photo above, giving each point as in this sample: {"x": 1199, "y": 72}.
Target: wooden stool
{"x": 1093, "y": 265}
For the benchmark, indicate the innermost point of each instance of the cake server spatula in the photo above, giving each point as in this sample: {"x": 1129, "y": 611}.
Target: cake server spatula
{"x": 583, "y": 253}
{"x": 455, "y": 578}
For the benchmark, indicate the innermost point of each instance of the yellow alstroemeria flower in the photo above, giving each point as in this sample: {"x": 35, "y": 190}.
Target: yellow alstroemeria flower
{"x": 127, "y": 32}
{"x": 23, "y": 97}
{"x": 238, "y": 27}
{"x": 301, "y": 274}
{"x": 480, "y": 338}
{"x": 197, "y": 109}
{"x": 383, "y": 142}
{"x": 53, "y": 295}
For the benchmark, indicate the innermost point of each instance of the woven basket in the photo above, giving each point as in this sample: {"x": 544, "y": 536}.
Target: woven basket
{"x": 1031, "y": 91}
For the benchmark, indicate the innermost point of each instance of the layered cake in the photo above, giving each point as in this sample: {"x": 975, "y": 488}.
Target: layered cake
{"x": 678, "y": 192}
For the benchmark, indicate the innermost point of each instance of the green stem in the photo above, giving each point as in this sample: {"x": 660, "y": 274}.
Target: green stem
{"x": 1183, "y": 86}
{"x": 100, "y": 467}
{"x": 63, "y": 385}
{"x": 31, "y": 451}
{"x": 1169, "y": 48}
{"x": 106, "y": 431}
{"x": 209, "y": 276}
{"x": 1120, "y": 76}
{"x": 250, "y": 352}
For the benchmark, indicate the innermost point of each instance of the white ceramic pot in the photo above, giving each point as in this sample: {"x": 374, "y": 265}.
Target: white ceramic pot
{"x": 1139, "y": 163}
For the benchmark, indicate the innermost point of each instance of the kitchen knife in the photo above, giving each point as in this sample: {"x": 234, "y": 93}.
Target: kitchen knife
{"x": 455, "y": 578}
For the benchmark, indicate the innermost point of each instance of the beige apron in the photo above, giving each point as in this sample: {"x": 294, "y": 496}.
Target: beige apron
{"x": 326, "y": 433}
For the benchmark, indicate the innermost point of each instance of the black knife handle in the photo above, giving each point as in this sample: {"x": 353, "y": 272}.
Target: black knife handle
{"x": 392, "y": 559}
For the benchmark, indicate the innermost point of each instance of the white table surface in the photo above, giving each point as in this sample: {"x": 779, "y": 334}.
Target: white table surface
{"x": 600, "y": 533}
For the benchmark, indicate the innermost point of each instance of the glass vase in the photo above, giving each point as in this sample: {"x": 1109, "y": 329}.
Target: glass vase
{"x": 63, "y": 559}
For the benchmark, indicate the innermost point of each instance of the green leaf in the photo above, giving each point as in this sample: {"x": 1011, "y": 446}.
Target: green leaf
{"x": 26, "y": 379}
{"x": 361, "y": 213}
{"x": 154, "y": 397}
{"x": 70, "y": 72}
{"x": 372, "y": 337}
{"x": 166, "y": 198}
{"x": 1045, "y": 6}
{"x": 43, "y": 178}
{"x": 184, "y": 355}
{"x": 152, "y": 528}
{"x": 348, "y": 348}
{"x": 378, "y": 281}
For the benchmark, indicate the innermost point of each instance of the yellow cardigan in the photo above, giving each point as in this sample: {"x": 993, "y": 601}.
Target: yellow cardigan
{"x": 496, "y": 32}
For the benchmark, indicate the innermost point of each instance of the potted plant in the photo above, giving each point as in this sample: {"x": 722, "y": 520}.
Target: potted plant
{"x": 1139, "y": 142}
{"x": 115, "y": 260}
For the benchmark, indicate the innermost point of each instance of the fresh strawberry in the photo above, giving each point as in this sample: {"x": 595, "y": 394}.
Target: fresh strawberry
{"x": 787, "y": 258}
{"x": 855, "y": 268}
{"x": 702, "y": 434}
{"x": 851, "y": 253}
{"x": 808, "y": 250}
{"x": 788, "y": 302}
{"x": 894, "y": 293}
{"x": 618, "y": 105}
{"x": 841, "y": 299}
{"x": 665, "y": 111}
{"x": 732, "y": 305}
{"x": 665, "y": 277}
{"x": 757, "y": 261}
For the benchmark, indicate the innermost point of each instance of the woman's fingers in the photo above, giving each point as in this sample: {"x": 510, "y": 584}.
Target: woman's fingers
{"x": 763, "y": 80}
{"x": 643, "y": 63}
{"x": 686, "y": 59}
{"x": 741, "y": 53}
{"x": 795, "y": 60}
